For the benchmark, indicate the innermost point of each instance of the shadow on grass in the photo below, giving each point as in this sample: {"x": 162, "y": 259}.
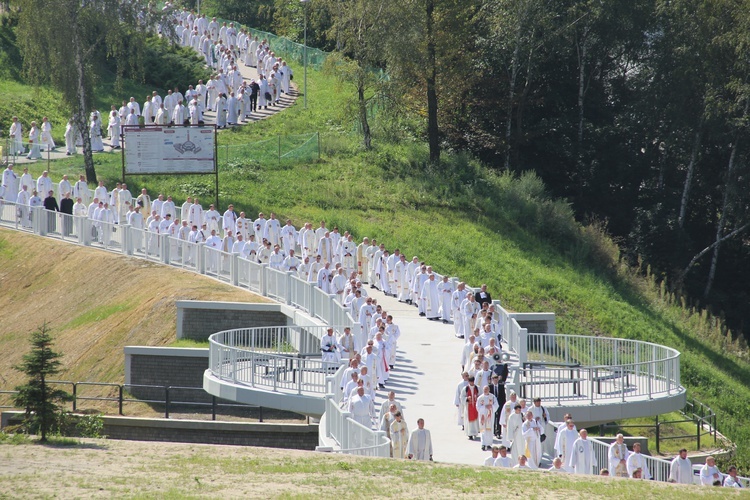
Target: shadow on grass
{"x": 66, "y": 442}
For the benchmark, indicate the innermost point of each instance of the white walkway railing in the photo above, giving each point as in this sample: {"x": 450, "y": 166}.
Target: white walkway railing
{"x": 276, "y": 358}
{"x": 657, "y": 467}
{"x": 600, "y": 362}
{"x": 575, "y": 367}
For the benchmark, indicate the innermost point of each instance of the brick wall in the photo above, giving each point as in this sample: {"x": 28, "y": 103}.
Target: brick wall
{"x": 534, "y": 326}
{"x": 199, "y": 324}
{"x": 168, "y": 371}
{"x": 290, "y": 436}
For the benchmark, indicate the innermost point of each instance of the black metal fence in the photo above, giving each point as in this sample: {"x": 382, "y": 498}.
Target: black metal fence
{"x": 175, "y": 397}
{"x": 695, "y": 412}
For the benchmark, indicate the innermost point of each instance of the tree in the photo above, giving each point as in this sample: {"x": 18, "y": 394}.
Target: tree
{"x": 63, "y": 41}
{"x": 360, "y": 25}
{"x": 39, "y": 399}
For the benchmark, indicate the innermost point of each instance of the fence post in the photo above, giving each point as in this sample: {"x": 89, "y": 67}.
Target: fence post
{"x": 698, "y": 434}
{"x": 260, "y": 414}
{"x": 658, "y": 428}
{"x": 75, "y": 395}
{"x": 213, "y": 407}
{"x": 119, "y": 398}
{"x": 166, "y": 401}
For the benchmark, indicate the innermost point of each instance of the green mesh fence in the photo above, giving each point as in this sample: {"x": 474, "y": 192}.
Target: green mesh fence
{"x": 278, "y": 150}
{"x": 288, "y": 49}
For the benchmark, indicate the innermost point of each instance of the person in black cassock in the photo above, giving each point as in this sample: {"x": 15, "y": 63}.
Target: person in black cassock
{"x": 50, "y": 203}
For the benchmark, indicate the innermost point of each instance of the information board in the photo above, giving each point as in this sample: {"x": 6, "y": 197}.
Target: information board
{"x": 169, "y": 150}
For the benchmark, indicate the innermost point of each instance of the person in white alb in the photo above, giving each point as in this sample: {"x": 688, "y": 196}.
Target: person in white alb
{"x": 420, "y": 443}
{"x": 582, "y": 458}
{"x": 681, "y": 469}
{"x": 731, "y": 480}
{"x": 710, "y": 475}
{"x": 361, "y": 408}
{"x": 618, "y": 457}
{"x": 486, "y": 406}
{"x": 213, "y": 245}
{"x": 564, "y": 442}
{"x": 531, "y": 429}
{"x": 636, "y": 461}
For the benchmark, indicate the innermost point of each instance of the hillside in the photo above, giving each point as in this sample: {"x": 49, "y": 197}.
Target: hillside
{"x": 467, "y": 221}
{"x": 128, "y": 469}
{"x": 95, "y": 302}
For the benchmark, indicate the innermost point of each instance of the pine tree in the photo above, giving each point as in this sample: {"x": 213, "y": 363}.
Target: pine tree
{"x": 39, "y": 399}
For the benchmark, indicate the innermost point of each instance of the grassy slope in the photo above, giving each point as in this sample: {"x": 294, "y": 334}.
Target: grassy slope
{"x": 124, "y": 469}
{"x": 466, "y": 222}
{"x": 32, "y": 103}
{"x": 95, "y": 302}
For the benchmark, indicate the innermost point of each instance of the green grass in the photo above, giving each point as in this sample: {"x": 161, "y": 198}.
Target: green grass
{"x": 466, "y": 221}
{"x": 96, "y": 314}
{"x": 189, "y": 343}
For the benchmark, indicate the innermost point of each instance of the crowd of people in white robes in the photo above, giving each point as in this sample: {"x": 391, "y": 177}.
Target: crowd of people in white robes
{"x": 233, "y": 98}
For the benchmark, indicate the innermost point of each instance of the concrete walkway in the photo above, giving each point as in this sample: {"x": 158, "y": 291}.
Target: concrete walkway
{"x": 427, "y": 371}
{"x": 209, "y": 117}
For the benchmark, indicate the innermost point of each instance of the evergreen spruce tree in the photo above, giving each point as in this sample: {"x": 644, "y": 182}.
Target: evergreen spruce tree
{"x": 39, "y": 399}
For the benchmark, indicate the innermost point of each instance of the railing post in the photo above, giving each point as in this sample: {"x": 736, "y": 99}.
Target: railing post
{"x": 329, "y": 414}
{"x": 234, "y": 269}
{"x": 164, "y": 241}
{"x": 311, "y": 293}
{"x": 669, "y": 377}
{"x": 119, "y": 399}
{"x": 127, "y": 247}
{"x": 264, "y": 280}
{"x": 288, "y": 295}
{"x": 345, "y": 430}
{"x": 75, "y": 396}
{"x": 523, "y": 345}
{"x": 650, "y": 378}
{"x": 200, "y": 259}
{"x": 275, "y": 373}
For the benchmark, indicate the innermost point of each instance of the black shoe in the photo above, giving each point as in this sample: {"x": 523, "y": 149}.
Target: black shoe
{"x": 471, "y": 438}
{"x": 421, "y": 314}
{"x": 391, "y": 367}
{"x": 445, "y": 321}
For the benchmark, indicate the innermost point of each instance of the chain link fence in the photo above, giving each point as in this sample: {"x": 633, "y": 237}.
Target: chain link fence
{"x": 287, "y": 48}
{"x": 283, "y": 149}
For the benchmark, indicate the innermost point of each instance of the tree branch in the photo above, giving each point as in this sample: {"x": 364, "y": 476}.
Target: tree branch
{"x": 711, "y": 246}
